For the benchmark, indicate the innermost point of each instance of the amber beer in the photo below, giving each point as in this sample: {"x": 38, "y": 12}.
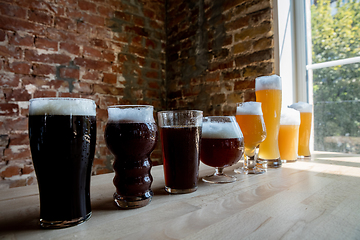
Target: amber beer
{"x": 62, "y": 134}
{"x": 131, "y": 135}
{"x": 268, "y": 92}
{"x": 289, "y": 134}
{"x": 305, "y": 110}
{"x": 180, "y": 133}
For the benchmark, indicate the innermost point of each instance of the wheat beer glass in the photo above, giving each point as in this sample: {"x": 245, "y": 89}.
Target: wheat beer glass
{"x": 180, "y": 133}
{"x": 222, "y": 145}
{"x": 289, "y": 134}
{"x": 131, "y": 135}
{"x": 305, "y": 110}
{"x": 250, "y": 119}
{"x": 62, "y": 134}
{"x": 268, "y": 92}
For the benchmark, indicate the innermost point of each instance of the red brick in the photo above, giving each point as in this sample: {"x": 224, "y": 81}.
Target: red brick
{"x": 123, "y": 16}
{"x": 14, "y": 24}
{"x": 43, "y": 69}
{"x": 19, "y": 139}
{"x": 117, "y": 68}
{"x": 27, "y": 169}
{"x": 136, "y": 30}
{"x": 17, "y": 153}
{"x": 44, "y": 93}
{"x": 2, "y": 35}
{"x": 99, "y": 43}
{"x": 18, "y": 95}
{"x": 9, "y": 171}
{"x": 153, "y": 84}
{"x": 87, "y": 6}
{"x": 12, "y": 10}
{"x": 121, "y": 37}
{"x": 110, "y": 78}
{"x": 106, "y": 11}
{"x": 40, "y": 17}
{"x": 108, "y": 101}
{"x": 19, "y": 67}
{"x": 69, "y": 73}
{"x": 139, "y": 21}
{"x": 11, "y": 52}
{"x": 47, "y": 44}
{"x": 64, "y": 23}
{"x": 18, "y": 124}
{"x": 45, "y": 6}
{"x": 63, "y": 36}
{"x": 69, "y": 94}
{"x": 150, "y": 43}
{"x": 9, "y": 80}
{"x": 9, "y": 109}
{"x": 83, "y": 87}
{"x": 110, "y": 90}
{"x": 108, "y": 55}
{"x": 152, "y": 74}
{"x": 16, "y": 39}
{"x": 92, "y": 64}
{"x": 92, "y": 52}
{"x": 91, "y": 75}
{"x": 33, "y": 55}
{"x": 70, "y": 48}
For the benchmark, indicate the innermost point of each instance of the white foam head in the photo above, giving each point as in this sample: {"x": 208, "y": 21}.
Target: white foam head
{"x": 218, "y": 130}
{"x": 289, "y": 116}
{"x": 249, "y": 108}
{"x": 62, "y": 106}
{"x": 302, "y": 107}
{"x": 268, "y": 82}
{"x": 131, "y": 113}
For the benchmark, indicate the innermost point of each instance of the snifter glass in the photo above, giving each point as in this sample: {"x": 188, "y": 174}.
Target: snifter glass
{"x": 250, "y": 118}
{"x": 62, "y": 134}
{"x": 131, "y": 136}
{"x": 222, "y": 145}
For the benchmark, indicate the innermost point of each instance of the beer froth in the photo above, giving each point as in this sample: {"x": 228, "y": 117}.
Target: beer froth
{"x": 249, "y": 108}
{"x": 221, "y": 130}
{"x": 302, "y": 107}
{"x": 135, "y": 114}
{"x": 62, "y": 106}
{"x": 268, "y": 82}
{"x": 289, "y": 116}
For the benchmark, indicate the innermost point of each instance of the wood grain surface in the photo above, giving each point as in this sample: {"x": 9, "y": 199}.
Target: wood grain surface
{"x": 313, "y": 198}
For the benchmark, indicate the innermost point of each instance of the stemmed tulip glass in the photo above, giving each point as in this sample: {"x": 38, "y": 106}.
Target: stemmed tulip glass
{"x": 222, "y": 145}
{"x": 250, "y": 119}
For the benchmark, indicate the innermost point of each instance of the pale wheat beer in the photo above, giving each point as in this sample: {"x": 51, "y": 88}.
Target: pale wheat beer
{"x": 268, "y": 92}
{"x": 289, "y": 134}
{"x": 305, "y": 110}
{"x": 250, "y": 119}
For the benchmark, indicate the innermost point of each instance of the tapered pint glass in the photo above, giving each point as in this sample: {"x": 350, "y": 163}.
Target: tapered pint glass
{"x": 268, "y": 91}
{"x": 289, "y": 134}
{"x": 305, "y": 110}
{"x": 131, "y": 135}
{"x": 62, "y": 134}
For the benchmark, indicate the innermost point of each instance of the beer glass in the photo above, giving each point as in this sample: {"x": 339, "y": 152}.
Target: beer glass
{"x": 305, "y": 110}
{"x": 62, "y": 134}
{"x": 250, "y": 119}
{"x": 289, "y": 134}
{"x": 268, "y": 92}
{"x": 180, "y": 133}
{"x": 222, "y": 145}
{"x": 131, "y": 135}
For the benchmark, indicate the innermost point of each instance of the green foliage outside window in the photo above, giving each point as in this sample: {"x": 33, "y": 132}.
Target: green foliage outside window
{"x": 336, "y": 35}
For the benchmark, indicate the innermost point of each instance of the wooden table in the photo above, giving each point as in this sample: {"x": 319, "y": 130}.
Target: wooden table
{"x": 317, "y": 198}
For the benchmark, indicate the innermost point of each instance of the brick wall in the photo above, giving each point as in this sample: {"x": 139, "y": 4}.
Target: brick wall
{"x": 107, "y": 50}
{"x": 212, "y": 64}
{"x": 114, "y": 51}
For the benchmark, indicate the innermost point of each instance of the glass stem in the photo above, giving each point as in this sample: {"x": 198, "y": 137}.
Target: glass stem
{"x": 250, "y": 162}
{"x": 219, "y": 171}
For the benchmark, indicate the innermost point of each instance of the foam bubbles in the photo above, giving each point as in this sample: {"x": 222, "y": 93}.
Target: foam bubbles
{"x": 289, "y": 116}
{"x": 221, "y": 130}
{"x": 302, "y": 107}
{"x": 131, "y": 113}
{"x": 268, "y": 82}
{"x": 249, "y": 108}
{"x": 62, "y": 106}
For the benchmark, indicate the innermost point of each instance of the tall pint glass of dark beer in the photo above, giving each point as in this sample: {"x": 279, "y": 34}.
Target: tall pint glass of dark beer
{"x": 131, "y": 135}
{"x": 62, "y": 134}
{"x": 180, "y": 133}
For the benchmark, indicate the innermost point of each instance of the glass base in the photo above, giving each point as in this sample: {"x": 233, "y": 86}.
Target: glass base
{"x": 223, "y": 178}
{"x": 180, "y": 191}
{"x": 64, "y": 224}
{"x": 270, "y": 163}
{"x": 133, "y": 202}
{"x": 288, "y": 161}
{"x": 255, "y": 170}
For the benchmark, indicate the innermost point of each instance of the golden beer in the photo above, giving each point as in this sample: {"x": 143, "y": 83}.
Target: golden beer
{"x": 289, "y": 134}
{"x": 305, "y": 110}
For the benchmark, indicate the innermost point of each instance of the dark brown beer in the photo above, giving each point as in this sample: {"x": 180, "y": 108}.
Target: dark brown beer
{"x": 132, "y": 144}
{"x": 221, "y": 152}
{"x": 181, "y": 156}
{"x": 62, "y": 149}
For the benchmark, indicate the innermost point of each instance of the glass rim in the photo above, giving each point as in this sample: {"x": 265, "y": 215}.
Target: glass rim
{"x": 130, "y": 106}
{"x": 180, "y": 111}
{"x": 60, "y": 98}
